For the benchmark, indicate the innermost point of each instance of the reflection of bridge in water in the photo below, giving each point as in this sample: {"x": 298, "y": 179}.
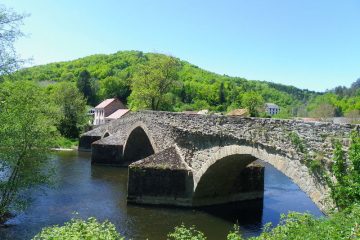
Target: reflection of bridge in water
{"x": 199, "y": 160}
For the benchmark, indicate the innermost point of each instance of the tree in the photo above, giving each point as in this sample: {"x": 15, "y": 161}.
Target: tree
{"x": 222, "y": 96}
{"x": 72, "y": 109}
{"x": 10, "y": 23}
{"x": 87, "y": 86}
{"x": 115, "y": 86}
{"x": 356, "y": 84}
{"x": 27, "y": 132}
{"x": 354, "y": 116}
{"x": 323, "y": 111}
{"x": 152, "y": 82}
{"x": 253, "y": 102}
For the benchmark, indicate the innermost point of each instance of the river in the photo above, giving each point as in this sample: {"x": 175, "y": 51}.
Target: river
{"x": 100, "y": 191}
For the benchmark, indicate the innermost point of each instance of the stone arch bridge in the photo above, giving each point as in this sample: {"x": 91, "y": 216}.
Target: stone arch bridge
{"x": 196, "y": 160}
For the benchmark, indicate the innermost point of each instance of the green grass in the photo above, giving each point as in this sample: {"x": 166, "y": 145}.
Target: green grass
{"x": 63, "y": 142}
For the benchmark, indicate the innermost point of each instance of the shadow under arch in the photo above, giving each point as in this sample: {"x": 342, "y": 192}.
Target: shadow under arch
{"x": 107, "y": 134}
{"x": 227, "y": 163}
{"x": 138, "y": 145}
{"x": 230, "y": 179}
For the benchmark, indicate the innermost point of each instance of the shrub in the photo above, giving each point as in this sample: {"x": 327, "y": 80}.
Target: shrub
{"x": 234, "y": 234}
{"x": 345, "y": 191}
{"x": 78, "y": 229}
{"x": 184, "y": 233}
{"x": 342, "y": 225}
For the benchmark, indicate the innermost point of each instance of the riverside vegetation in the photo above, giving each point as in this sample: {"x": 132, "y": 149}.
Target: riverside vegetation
{"x": 160, "y": 82}
{"x": 41, "y": 107}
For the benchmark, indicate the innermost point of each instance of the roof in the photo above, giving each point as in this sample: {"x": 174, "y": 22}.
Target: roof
{"x": 117, "y": 114}
{"x": 105, "y": 103}
{"x": 238, "y": 112}
{"x": 271, "y": 105}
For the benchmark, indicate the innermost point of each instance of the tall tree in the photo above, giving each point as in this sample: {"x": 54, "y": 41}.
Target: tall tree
{"x": 10, "y": 23}
{"x": 323, "y": 111}
{"x": 26, "y": 132}
{"x": 152, "y": 83}
{"x": 116, "y": 86}
{"x": 253, "y": 102}
{"x": 87, "y": 86}
{"x": 222, "y": 96}
{"x": 72, "y": 109}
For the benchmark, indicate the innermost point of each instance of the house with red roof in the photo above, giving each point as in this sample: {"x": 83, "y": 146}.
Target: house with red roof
{"x": 108, "y": 110}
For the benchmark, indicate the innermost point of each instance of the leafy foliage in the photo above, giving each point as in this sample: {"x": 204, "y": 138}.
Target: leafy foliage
{"x": 335, "y": 103}
{"x": 10, "y": 23}
{"x": 152, "y": 83}
{"x": 71, "y": 107}
{"x": 78, "y": 229}
{"x": 343, "y": 225}
{"x": 297, "y": 141}
{"x": 253, "y": 102}
{"x": 345, "y": 190}
{"x": 234, "y": 234}
{"x": 27, "y": 132}
{"x": 184, "y": 233}
{"x": 87, "y": 86}
{"x": 122, "y": 73}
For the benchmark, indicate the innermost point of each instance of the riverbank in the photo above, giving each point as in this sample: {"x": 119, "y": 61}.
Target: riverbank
{"x": 64, "y": 149}
{"x": 65, "y": 144}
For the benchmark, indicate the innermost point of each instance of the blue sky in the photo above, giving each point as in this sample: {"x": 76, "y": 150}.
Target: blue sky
{"x": 306, "y": 43}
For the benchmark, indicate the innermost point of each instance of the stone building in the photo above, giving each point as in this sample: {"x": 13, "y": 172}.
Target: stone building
{"x": 272, "y": 108}
{"x": 109, "y": 109}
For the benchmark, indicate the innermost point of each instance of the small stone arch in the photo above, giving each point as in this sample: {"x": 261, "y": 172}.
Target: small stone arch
{"x": 139, "y": 143}
{"x": 106, "y": 134}
{"x": 293, "y": 169}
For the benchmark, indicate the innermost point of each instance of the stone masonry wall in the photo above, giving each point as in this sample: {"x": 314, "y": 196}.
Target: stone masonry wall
{"x": 204, "y": 139}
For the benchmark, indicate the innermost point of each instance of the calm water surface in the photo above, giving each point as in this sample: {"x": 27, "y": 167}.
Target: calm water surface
{"x": 100, "y": 191}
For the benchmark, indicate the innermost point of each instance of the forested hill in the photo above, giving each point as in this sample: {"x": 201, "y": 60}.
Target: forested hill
{"x": 196, "y": 88}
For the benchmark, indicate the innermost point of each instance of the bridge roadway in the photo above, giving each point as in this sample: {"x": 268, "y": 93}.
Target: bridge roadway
{"x": 197, "y": 160}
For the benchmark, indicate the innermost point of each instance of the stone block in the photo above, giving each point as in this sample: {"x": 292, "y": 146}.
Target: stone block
{"x": 107, "y": 154}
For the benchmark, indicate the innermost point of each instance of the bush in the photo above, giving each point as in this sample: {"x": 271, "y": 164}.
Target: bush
{"x": 294, "y": 226}
{"x": 184, "y": 233}
{"x": 345, "y": 191}
{"x": 234, "y": 234}
{"x": 78, "y": 229}
{"x": 342, "y": 225}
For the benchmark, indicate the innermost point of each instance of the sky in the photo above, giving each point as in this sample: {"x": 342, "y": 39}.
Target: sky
{"x": 305, "y": 43}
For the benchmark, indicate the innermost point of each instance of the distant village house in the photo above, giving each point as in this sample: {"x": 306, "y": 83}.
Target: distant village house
{"x": 108, "y": 110}
{"x": 272, "y": 108}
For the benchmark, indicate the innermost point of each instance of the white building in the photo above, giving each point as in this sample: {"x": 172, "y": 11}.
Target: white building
{"x": 108, "y": 108}
{"x": 272, "y": 108}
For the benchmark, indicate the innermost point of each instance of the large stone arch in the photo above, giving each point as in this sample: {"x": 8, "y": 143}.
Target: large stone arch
{"x": 229, "y": 158}
{"x": 139, "y": 143}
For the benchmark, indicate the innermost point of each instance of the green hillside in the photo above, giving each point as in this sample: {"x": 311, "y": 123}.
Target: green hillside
{"x": 196, "y": 88}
